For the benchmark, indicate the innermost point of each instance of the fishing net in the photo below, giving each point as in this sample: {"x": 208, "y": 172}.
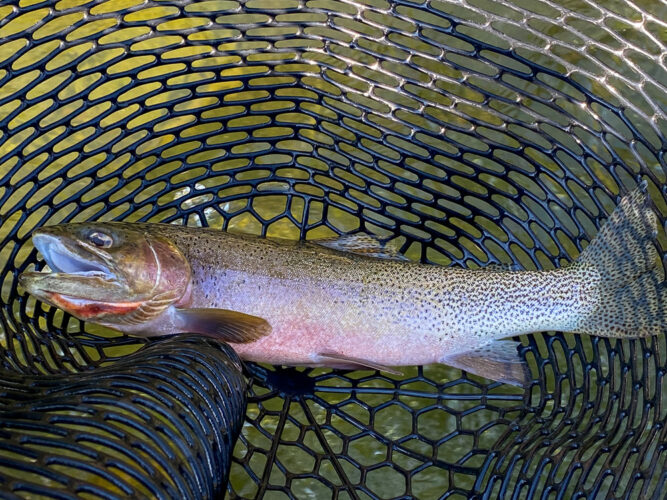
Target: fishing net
{"x": 471, "y": 132}
{"x": 159, "y": 424}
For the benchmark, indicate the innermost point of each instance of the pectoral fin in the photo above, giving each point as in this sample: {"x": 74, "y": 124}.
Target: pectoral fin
{"x": 230, "y": 326}
{"x": 339, "y": 359}
{"x": 361, "y": 244}
{"x": 498, "y": 360}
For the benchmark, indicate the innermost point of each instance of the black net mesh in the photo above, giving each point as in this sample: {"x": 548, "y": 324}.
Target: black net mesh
{"x": 159, "y": 424}
{"x": 472, "y": 132}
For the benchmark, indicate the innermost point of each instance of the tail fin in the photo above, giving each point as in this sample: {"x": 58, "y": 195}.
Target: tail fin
{"x": 632, "y": 296}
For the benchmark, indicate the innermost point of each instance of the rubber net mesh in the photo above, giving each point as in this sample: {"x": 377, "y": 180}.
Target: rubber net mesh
{"x": 471, "y": 131}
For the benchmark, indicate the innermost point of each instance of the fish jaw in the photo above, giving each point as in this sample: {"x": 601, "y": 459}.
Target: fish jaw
{"x": 88, "y": 309}
{"x": 118, "y": 275}
{"x": 70, "y": 256}
{"x": 79, "y": 294}
{"x": 81, "y": 280}
{"x": 76, "y": 269}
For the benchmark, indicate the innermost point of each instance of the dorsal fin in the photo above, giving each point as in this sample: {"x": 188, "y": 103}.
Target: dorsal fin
{"x": 361, "y": 244}
{"x": 498, "y": 267}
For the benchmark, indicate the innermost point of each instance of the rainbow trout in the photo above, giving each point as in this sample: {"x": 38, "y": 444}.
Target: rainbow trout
{"x": 349, "y": 303}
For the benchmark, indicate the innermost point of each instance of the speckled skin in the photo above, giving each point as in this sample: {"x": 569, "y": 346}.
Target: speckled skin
{"x": 319, "y": 301}
{"x": 396, "y": 313}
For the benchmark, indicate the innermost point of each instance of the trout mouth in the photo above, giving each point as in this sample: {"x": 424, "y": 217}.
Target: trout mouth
{"x": 75, "y": 271}
{"x": 67, "y": 261}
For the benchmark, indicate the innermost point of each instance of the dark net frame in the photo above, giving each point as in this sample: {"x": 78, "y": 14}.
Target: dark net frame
{"x": 472, "y": 132}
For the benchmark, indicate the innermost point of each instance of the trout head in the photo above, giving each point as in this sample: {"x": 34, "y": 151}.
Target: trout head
{"x": 114, "y": 274}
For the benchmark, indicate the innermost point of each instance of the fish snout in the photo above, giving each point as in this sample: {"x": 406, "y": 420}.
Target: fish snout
{"x": 32, "y": 283}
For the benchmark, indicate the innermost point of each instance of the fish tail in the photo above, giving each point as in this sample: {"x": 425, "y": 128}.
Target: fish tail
{"x": 631, "y": 298}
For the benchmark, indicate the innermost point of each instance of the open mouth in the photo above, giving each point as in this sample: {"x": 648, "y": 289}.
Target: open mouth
{"x": 61, "y": 259}
{"x": 80, "y": 279}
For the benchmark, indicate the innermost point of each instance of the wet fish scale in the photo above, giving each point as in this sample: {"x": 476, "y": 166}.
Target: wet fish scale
{"x": 318, "y": 300}
{"x": 330, "y": 303}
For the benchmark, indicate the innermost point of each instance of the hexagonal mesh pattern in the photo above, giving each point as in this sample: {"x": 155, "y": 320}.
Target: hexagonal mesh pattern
{"x": 471, "y": 131}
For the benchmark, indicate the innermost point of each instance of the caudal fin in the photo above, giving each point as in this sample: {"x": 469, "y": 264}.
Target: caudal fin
{"x": 624, "y": 261}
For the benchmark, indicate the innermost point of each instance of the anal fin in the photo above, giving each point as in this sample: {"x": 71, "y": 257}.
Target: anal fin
{"x": 339, "y": 359}
{"x": 498, "y": 360}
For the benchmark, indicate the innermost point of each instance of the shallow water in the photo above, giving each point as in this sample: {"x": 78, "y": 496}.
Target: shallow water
{"x": 305, "y": 120}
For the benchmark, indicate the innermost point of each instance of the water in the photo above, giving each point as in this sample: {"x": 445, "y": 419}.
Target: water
{"x": 305, "y": 120}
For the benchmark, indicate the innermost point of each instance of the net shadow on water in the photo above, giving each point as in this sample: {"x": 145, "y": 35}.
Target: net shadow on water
{"x": 431, "y": 434}
{"x": 468, "y": 132}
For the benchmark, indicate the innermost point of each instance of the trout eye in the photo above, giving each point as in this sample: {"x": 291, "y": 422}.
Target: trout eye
{"x": 101, "y": 240}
